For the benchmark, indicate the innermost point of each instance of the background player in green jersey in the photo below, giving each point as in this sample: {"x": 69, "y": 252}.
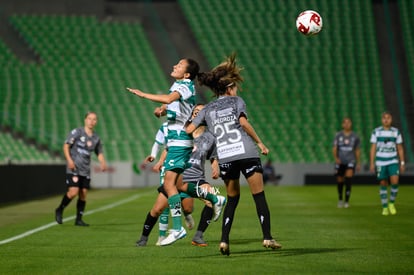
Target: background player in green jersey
{"x": 79, "y": 146}
{"x": 346, "y": 152}
{"x": 387, "y": 156}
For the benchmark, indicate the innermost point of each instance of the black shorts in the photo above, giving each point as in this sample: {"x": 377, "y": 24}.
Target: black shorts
{"x": 340, "y": 169}
{"x": 231, "y": 170}
{"x": 78, "y": 181}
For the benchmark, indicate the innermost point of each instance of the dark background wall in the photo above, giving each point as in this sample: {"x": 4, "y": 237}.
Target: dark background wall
{"x": 25, "y": 182}
{"x": 323, "y": 179}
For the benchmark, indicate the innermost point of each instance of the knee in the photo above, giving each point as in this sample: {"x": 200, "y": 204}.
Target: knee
{"x": 71, "y": 194}
{"x": 188, "y": 209}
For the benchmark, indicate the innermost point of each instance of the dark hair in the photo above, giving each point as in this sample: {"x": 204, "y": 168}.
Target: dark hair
{"x": 193, "y": 68}
{"x": 222, "y": 76}
{"x": 195, "y": 106}
{"x": 89, "y": 112}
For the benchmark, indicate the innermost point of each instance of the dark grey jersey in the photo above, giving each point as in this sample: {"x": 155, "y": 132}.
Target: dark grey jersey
{"x": 346, "y": 146}
{"x": 222, "y": 119}
{"x": 81, "y": 148}
{"x": 204, "y": 149}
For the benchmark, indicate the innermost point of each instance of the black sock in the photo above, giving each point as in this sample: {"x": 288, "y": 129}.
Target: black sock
{"x": 348, "y": 184}
{"x": 205, "y": 218}
{"x": 80, "y": 208}
{"x": 340, "y": 190}
{"x": 263, "y": 213}
{"x": 65, "y": 202}
{"x": 228, "y": 216}
{"x": 149, "y": 223}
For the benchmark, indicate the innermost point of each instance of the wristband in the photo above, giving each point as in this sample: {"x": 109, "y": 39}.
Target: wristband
{"x": 402, "y": 162}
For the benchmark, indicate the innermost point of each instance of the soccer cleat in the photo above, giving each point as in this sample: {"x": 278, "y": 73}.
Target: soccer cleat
{"x": 225, "y": 248}
{"x": 346, "y": 205}
{"x": 79, "y": 222}
{"x": 385, "y": 211}
{"x": 271, "y": 244}
{"x": 189, "y": 221}
{"x": 174, "y": 236}
{"x": 218, "y": 207}
{"x": 58, "y": 215}
{"x": 142, "y": 242}
{"x": 198, "y": 241}
{"x": 340, "y": 204}
{"x": 160, "y": 239}
{"x": 392, "y": 209}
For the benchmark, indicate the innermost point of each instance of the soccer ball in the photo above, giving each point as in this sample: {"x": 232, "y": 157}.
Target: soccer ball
{"x": 309, "y": 22}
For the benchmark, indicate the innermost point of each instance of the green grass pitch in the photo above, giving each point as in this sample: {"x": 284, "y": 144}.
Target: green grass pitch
{"x": 317, "y": 237}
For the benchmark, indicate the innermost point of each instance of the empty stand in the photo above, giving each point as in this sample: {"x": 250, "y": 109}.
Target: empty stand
{"x": 85, "y": 66}
{"x": 297, "y": 88}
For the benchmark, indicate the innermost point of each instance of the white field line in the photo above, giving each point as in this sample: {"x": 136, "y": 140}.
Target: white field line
{"x": 46, "y": 226}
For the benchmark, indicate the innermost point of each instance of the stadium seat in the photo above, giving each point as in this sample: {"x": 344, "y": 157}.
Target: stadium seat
{"x": 83, "y": 67}
{"x": 303, "y": 86}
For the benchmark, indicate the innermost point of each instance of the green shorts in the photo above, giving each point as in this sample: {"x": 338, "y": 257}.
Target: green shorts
{"x": 384, "y": 172}
{"x": 177, "y": 159}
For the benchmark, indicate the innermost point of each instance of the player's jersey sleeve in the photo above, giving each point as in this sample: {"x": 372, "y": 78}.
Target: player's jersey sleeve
{"x": 373, "y": 138}
{"x": 98, "y": 147}
{"x": 357, "y": 142}
{"x": 161, "y": 136}
{"x": 200, "y": 118}
{"x": 335, "y": 141}
{"x": 241, "y": 107}
{"x": 399, "y": 138}
{"x": 185, "y": 89}
{"x": 72, "y": 136}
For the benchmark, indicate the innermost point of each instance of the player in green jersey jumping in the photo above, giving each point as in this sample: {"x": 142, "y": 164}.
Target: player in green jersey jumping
{"x": 177, "y": 106}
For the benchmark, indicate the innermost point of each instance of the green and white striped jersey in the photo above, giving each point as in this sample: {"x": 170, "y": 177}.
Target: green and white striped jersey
{"x": 178, "y": 112}
{"x": 386, "y": 141}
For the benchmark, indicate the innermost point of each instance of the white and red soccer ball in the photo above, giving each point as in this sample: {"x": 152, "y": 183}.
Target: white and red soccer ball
{"x": 309, "y": 22}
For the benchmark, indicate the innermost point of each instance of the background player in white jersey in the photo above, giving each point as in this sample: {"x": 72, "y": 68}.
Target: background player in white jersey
{"x": 78, "y": 148}
{"x": 177, "y": 105}
{"x": 236, "y": 141}
{"x": 387, "y": 156}
{"x": 160, "y": 208}
{"x": 346, "y": 152}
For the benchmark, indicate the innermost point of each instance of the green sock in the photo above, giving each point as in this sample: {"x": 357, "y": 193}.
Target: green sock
{"x": 384, "y": 196}
{"x": 163, "y": 222}
{"x": 192, "y": 191}
{"x": 175, "y": 209}
{"x": 394, "y": 192}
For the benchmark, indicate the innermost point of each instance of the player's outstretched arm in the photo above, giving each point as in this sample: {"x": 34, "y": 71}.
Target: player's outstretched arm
{"x": 162, "y": 98}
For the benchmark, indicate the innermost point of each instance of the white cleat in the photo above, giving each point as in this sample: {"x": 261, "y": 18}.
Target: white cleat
{"x": 174, "y": 236}
{"x": 160, "y": 239}
{"x": 218, "y": 207}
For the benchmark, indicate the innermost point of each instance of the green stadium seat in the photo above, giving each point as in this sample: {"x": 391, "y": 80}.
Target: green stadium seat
{"x": 305, "y": 84}
{"x": 84, "y": 67}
